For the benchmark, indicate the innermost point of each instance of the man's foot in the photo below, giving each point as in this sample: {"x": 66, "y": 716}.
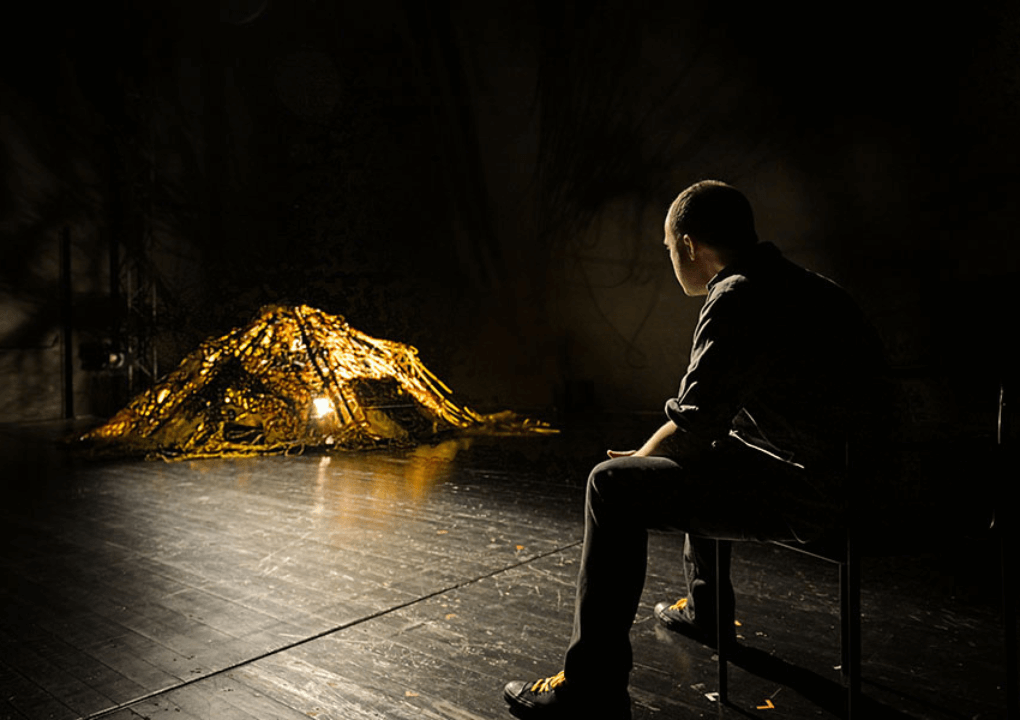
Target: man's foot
{"x": 553, "y": 697}
{"x": 676, "y": 618}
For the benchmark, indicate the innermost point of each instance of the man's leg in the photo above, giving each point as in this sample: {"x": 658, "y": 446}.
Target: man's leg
{"x": 621, "y": 504}
{"x": 724, "y": 496}
{"x": 694, "y": 614}
{"x": 700, "y": 572}
{"x": 768, "y": 500}
{"x": 625, "y": 496}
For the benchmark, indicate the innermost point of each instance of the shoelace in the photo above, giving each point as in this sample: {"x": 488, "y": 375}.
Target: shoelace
{"x": 679, "y": 604}
{"x": 549, "y": 683}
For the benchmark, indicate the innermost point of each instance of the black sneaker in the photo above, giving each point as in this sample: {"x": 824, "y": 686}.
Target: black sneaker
{"x": 675, "y": 617}
{"x": 553, "y": 698}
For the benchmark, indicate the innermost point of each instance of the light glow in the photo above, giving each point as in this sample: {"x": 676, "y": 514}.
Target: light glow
{"x": 323, "y": 407}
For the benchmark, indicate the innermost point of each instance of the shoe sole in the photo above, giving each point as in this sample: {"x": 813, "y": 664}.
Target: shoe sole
{"x": 529, "y": 711}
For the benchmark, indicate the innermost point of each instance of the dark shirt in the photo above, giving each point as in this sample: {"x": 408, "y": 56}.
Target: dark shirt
{"x": 783, "y": 361}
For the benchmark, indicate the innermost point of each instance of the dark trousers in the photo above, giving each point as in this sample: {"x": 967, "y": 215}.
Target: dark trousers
{"x": 733, "y": 493}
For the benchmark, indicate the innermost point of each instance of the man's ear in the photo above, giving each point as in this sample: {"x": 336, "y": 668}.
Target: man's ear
{"x": 690, "y": 245}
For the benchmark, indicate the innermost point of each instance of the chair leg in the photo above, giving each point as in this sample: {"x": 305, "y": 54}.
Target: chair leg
{"x": 720, "y": 639}
{"x": 844, "y": 621}
{"x": 850, "y": 624}
{"x": 1009, "y": 600}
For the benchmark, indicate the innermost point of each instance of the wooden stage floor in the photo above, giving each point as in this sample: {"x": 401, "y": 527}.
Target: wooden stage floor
{"x": 414, "y": 584}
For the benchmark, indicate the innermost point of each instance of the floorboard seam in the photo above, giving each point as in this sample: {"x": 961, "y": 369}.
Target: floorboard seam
{"x": 330, "y": 631}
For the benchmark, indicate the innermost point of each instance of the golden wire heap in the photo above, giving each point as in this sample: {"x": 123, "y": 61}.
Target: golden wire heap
{"x": 295, "y": 377}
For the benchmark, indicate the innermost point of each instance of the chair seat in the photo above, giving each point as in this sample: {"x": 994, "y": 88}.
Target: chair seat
{"x": 831, "y": 549}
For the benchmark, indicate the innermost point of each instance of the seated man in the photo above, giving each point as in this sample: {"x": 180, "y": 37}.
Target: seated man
{"x": 782, "y": 369}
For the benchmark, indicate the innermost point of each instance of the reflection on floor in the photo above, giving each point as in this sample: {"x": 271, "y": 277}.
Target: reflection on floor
{"x": 413, "y": 584}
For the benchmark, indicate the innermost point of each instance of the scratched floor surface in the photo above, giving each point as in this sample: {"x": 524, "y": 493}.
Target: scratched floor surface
{"x": 414, "y": 584}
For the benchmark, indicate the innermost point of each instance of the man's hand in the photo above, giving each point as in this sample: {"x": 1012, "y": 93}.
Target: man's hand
{"x": 657, "y": 444}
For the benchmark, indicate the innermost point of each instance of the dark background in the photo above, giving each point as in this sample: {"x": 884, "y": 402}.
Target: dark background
{"x": 488, "y": 181}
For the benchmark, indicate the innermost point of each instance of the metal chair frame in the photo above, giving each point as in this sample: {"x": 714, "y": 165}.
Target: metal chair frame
{"x": 848, "y": 558}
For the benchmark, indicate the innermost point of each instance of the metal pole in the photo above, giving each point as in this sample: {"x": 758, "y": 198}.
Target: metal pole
{"x": 67, "y": 323}
{"x": 1003, "y": 520}
{"x": 721, "y": 631}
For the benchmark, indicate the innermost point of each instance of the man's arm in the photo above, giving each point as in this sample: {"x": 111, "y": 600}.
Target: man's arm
{"x": 729, "y": 357}
{"x": 732, "y": 353}
{"x": 667, "y": 441}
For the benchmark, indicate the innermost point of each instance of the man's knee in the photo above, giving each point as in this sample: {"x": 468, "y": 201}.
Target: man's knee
{"x": 643, "y": 490}
{"x": 619, "y": 479}
{"x": 608, "y": 498}
{"x": 605, "y": 481}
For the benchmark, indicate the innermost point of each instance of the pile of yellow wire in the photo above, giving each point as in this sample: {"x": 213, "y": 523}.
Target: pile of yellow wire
{"x": 295, "y": 377}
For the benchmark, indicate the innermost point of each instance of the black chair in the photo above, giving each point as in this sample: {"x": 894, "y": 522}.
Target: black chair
{"x": 843, "y": 550}
{"x": 1002, "y": 525}
{"x": 840, "y": 549}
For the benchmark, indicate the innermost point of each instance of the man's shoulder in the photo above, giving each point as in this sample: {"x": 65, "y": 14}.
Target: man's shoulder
{"x": 737, "y": 282}
{"x": 777, "y": 274}
{"x": 760, "y": 266}
{"x": 780, "y": 289}
{"x": 747, "y": 281}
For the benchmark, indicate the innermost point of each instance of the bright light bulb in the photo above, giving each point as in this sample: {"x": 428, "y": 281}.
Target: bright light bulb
{"x": 323, "y": 407}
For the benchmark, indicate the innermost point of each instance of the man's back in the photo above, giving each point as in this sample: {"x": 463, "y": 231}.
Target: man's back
{"x": 782, "y": 359}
